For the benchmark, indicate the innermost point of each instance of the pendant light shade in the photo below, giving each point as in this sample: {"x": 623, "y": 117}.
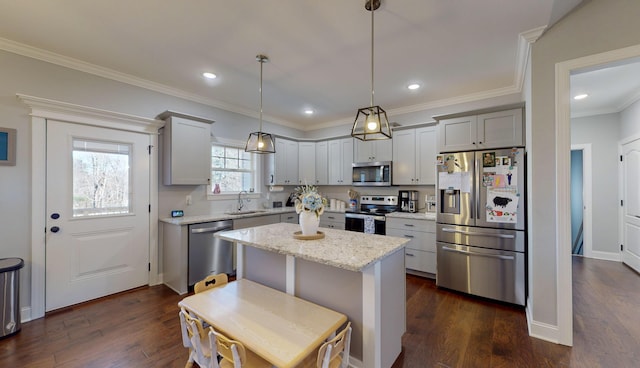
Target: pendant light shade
{"x": 371, "y": 122}
{"x": 260, "y": 142}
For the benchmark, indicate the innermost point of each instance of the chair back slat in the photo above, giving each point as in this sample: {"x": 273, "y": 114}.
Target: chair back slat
{"x": 211, "y": 281}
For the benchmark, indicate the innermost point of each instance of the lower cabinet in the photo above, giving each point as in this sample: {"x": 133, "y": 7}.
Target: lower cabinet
{"x": 332, "y": 220}
{"x": 291, "y": 218}
{"x": 243, "y": 223}
{"x": 420, "y": 251}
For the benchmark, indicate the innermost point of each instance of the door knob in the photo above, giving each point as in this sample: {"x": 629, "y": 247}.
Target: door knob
{"x": 55, "y": 229}
{"x": 55, "y": 216}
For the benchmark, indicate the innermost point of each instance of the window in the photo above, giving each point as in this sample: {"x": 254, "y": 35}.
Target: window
{"x": 101, "y": 172}
{"x": 232, "y": 169}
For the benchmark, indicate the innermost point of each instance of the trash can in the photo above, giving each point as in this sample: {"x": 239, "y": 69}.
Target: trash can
{"x": 10, "y": 296}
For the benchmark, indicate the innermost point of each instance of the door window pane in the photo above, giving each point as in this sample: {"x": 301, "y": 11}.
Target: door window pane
{"x": 101, "y": 177}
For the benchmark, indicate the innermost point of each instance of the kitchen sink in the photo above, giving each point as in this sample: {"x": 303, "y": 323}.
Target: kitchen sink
{"x": 248, "y": 212}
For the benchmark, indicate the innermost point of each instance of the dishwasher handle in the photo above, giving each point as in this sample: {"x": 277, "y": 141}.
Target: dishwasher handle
{"x": 212, "y": 229}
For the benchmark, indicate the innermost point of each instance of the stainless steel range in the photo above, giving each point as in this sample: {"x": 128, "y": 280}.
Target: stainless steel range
{"x": 370, "y": 217}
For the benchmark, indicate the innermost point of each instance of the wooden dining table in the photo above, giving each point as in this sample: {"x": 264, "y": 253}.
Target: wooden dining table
{"x": 280, "y": 328}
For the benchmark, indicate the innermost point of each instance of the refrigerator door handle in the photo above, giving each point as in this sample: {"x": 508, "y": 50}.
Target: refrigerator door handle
{"x": 477, "y": 186}
{"x": 507, "y": 258}
{"x": 473, "y": 233}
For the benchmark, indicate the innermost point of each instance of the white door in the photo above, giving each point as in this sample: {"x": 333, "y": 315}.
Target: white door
{"x": 631, "y": 207}
{"x": 97, "y": 240}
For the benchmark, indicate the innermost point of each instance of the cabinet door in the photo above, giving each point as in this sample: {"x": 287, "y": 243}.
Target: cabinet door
{"x": 291, "y": 163}
{"x": 347, "y": 161}
{"x": 383, "y": 150}
{"x": 502, "y": 129}
{"x": 363, "y": 151}
{"x": 335, "y": 162}
{"x": 277, "y": 175}
{"x": 306, "y": 163}
{"x": 458, "y": 134}
{"x": 426, "y": 155}
{"x": 186, "y": 152}
{"x": 404, "y": 157}
{"x": 322, "y": 171}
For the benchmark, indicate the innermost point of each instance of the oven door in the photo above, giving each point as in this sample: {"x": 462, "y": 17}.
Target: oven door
{"x": 358, "y": 222}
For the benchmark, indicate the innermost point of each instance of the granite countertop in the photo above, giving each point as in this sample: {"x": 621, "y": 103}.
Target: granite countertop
{"x": 196, "y": 219}
{"x": 431, "y": 216}
{"x": 348, "y": 250}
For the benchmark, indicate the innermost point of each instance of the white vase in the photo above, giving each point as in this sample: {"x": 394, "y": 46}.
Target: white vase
{"x": 309, "y": 223}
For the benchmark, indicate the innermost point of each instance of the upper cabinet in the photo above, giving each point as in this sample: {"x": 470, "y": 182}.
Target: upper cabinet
{"x": 322, "y": 166}
{"x": 186, "y": 149}
{"x": 372, "y": 151}
{"x": 307, "y": 163}
{"x": 281, "y": 168}
{"x": 414, "y": 156}
{"x": 499, "y": 129}
{"x": 340, "y": 158}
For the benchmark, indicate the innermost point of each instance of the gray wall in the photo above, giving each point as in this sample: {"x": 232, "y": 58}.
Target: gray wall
{"x": 630, "y": 121}
{"x": 595, "y": 27}
{"x": 603, "y": 132}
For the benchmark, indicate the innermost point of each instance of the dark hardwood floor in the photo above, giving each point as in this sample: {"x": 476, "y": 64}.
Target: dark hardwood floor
{"x": 140, "y": 328}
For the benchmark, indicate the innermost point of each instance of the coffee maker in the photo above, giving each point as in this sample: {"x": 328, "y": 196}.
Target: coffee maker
{"x": 408, "y": 200}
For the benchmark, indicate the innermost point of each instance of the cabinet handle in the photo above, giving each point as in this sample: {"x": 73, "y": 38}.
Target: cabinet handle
{"x": 408, "y": 225}
{"x": 473, "y": 142}
{"x": 410, "y": 254}
{"x": 271, "y": 181}
{"x": 408, "y": 236}
{"x": 479, "y": 142}
{"x": 331, "y": 217}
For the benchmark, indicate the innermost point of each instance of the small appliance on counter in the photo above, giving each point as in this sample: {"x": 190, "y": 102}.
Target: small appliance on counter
{"x": 408, "y": 200}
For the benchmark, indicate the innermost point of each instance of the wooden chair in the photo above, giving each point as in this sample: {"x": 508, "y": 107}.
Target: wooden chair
{"x": 201, "y": 347}
{"x": 234, "y": 354}
{"x": 329, "y": 353}
{"x": 211, "y": 281}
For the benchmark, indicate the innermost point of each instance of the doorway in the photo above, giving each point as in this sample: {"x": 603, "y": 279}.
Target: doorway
{"x": 581, "y": 200}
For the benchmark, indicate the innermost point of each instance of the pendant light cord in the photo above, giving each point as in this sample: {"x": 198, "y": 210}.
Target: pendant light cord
{"x": 261, "y": 64}
{"x": 372, "y": 11}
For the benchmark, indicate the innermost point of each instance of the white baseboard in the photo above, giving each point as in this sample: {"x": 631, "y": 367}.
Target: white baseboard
{"x": 539, "y": 330}
{"x": 355, "y": 363}
{"x": 25, "y": 314}
{"x": 607, "y": 256}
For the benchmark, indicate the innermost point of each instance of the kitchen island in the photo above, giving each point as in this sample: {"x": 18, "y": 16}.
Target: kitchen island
{"x": 360, "y": 275}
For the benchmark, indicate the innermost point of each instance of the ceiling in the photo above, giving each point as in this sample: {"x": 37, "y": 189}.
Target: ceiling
{"x": 320, "y": 51}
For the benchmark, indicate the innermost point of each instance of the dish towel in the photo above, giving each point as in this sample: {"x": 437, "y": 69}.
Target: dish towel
{"x": 369, "y": 225}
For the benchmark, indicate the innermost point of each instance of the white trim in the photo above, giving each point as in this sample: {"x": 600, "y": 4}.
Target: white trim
{"x": 606, "y": 256}
{"x": 563, "y": 213}
{"x": 587, "y": 197}
{"x": 43, "y": 109}
{"x": 290, "y": 275}
{"x": 540, "y": 330}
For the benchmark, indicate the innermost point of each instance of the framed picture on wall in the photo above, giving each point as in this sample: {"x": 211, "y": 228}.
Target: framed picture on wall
{"x": 7, "y": 147}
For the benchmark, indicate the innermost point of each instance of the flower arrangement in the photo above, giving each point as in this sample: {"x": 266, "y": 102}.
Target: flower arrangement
{"x": 307, "y": 199}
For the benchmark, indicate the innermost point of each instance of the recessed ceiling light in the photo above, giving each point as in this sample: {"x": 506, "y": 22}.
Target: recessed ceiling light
{"x": 308, "y": 111}
{"x": 209, "y": 75}
{"x": 580, "y": 97}
{"x": 413, "y": 86}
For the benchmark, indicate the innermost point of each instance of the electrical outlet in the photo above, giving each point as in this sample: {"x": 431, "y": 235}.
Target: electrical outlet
{"x": 188, "y": 200}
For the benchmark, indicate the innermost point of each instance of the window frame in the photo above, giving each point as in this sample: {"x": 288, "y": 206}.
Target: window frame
{"x": 257, "y": 172}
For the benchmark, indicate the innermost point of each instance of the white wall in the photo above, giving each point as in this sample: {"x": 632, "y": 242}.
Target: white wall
{"x": 23, "y": 75}
{"x": 603, "y": 132}
{"x": 630, "y": 121}
{"x": 597, "y": 26}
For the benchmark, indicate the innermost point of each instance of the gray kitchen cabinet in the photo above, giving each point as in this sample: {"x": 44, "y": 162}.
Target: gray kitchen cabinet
{"x": 420, "y": 251}
{"x": 372, "y": 151}
{"x": 340, "y": 159}
{"x": 322, "y": 167}
{"x": 290, "y": 217}
{"x": 498, "y": 129}
{"x": 246, "y": 222}
{"x": 332, "y": 220}
{"x": 281, "y": 168}
{"x": 414, "y": 156}
{"x": 306, "y": 163}
{"x": 186, "y": 149}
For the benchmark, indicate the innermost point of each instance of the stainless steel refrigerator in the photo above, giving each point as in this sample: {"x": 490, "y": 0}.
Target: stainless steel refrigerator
{"x": 481, "y": 234}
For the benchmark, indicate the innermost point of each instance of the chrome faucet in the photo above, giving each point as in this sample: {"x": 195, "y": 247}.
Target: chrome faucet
{"x": 240, "y": 202}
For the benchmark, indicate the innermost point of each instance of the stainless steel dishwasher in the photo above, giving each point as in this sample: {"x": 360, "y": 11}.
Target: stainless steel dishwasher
{"x": 208, "y": 254}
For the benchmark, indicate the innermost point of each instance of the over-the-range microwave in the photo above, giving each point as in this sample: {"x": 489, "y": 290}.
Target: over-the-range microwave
{"x": 372, "y": 174}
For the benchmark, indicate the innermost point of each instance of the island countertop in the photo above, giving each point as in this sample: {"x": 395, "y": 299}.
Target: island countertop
{"x": 348, "y": 250}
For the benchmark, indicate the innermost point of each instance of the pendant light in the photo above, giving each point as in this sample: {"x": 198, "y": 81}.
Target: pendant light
{"x": 260, "y": 142}
{"x": 371, "y": 122}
